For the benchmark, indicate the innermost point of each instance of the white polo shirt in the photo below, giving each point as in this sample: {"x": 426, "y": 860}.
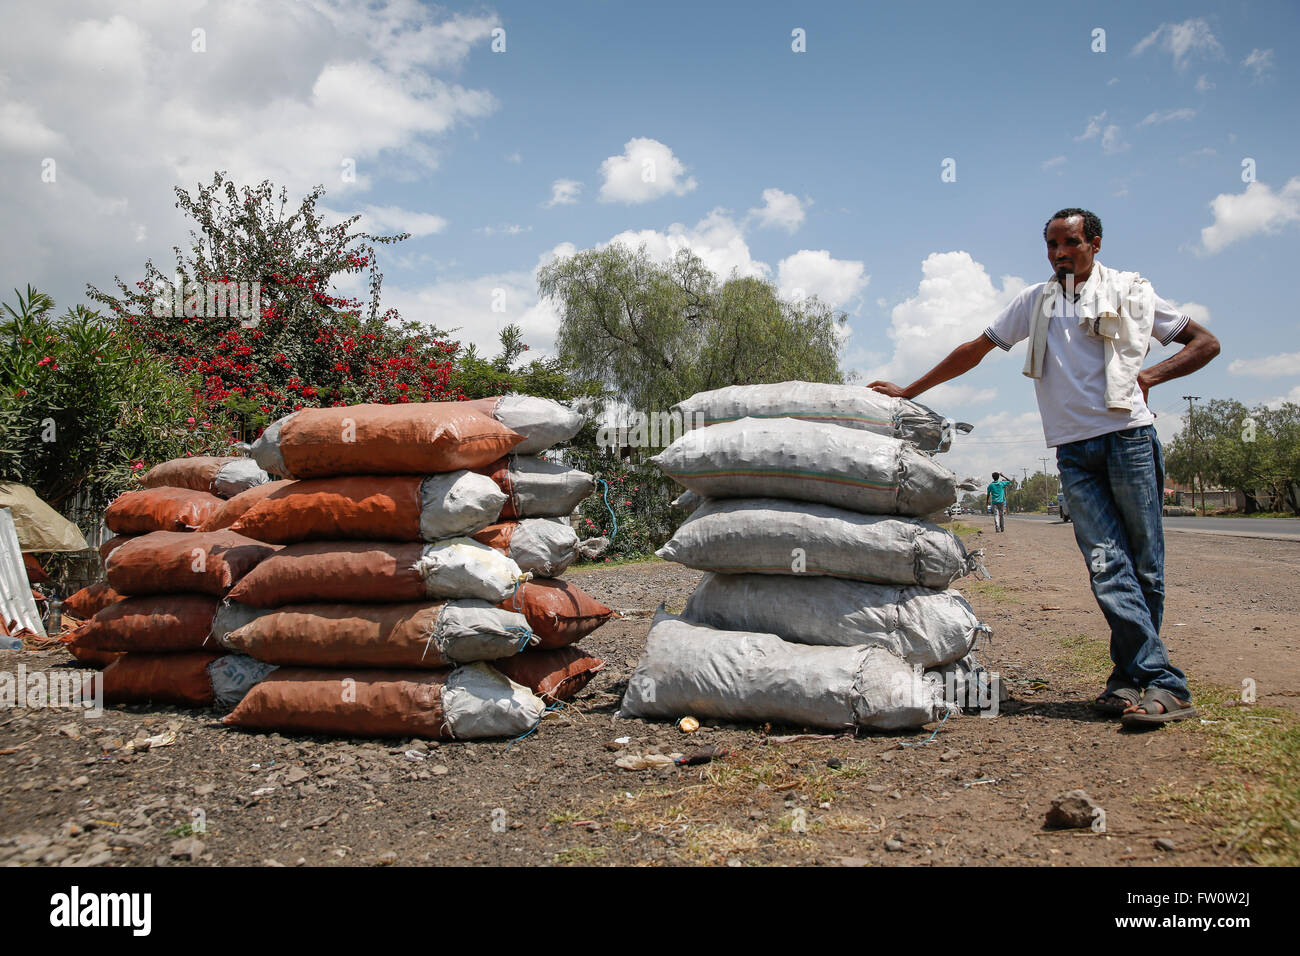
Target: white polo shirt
{"x": 1072, "y": 391}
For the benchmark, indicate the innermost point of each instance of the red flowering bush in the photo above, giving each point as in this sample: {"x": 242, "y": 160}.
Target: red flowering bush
{"x": 290, "y": 342}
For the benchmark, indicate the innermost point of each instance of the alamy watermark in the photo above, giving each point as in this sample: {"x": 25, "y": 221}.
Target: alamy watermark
{"x": 976, "y": 689}
{"x": 73, "y": 690}
{"x": 648, "y": 430}
{"x": 209, "y": 300}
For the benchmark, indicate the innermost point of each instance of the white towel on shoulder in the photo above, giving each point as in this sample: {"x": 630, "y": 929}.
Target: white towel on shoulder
{"x": 1118, "y": 307}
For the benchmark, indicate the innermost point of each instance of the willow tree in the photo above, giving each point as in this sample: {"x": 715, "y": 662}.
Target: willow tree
{"x": 655, "y": 333}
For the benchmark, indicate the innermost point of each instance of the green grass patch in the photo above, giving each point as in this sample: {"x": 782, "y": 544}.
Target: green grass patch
{"x": 580, "y": 856}
{"x": 615, "y": 562}
{"x": 184, "y": 830}
{"x": 1090, "y": 656}
{"x": 990, "y": 591}
{"x": 710, "y": 810}
{"x": 1255, "y": 802}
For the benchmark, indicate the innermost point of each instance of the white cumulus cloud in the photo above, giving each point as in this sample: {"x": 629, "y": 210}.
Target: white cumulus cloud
{"x": 564, "y": 192}
{"x": 811, "y": 272}
{"x": 780, "y": 210}
{"x": 1271, "y": 366}
{"x": 379, "y": 220}
{"x": 955, "y": 301}
{"x": 718, "y": 239}
{"x": 326, "y": 92}
{"x": 646, "y": 170}
{"x": 1257, "y": 210}
{"x": 479, "y": 307}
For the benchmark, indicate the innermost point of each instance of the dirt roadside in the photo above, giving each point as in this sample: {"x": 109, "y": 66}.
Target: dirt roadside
{"x": 71, "y": 792}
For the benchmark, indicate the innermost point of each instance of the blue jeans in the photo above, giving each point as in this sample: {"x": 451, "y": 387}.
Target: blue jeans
{"x": 1114, "y": 486}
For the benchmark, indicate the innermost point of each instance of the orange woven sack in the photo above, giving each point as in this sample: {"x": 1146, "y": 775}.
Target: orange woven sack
{"x": 156, "y": 624}
{"x": 553, "y": 675}
{"x": 162, "y": 678}
{"x": 100, "y": 659}
{"x": 160, "y": 509}
{"x": 195, "y": 473}
{"x": 89, "y": 601}
{"x": 383, "y": 508}
{"x": 343, "y": 635}
{"x": 407, "y": 439}
{"x": 335, "y": 571}
{"x": 232, "y": 509}
{"x": 112, "y": 544}
{"x": 363, "y": 703}
{"x": 559, "y": 612}
{"x": 172, "y": 562}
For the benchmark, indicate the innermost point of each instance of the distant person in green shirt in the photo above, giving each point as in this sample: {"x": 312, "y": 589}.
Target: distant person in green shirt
{"x": 997, "y": 499}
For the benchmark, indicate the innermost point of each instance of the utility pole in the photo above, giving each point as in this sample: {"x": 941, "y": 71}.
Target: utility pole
{"x": 1196, "y": 457}
{"x": 1047, "y": 487}
{"x": 1024, "y": 480}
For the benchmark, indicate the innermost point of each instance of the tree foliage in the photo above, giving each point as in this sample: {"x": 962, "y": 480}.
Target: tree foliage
{"x": 306, "y": 346}
{"x": 83, "y": 406}
{"x": 655, "y": 334}
{"x": 1252, "y": 451}
{"x": 478, "y": 377}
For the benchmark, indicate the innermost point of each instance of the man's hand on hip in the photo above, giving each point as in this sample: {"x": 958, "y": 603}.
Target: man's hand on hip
{"x": 1144, "y": 383}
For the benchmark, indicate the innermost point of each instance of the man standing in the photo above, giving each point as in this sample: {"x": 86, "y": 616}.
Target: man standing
{"x": 997, "y": 499}
{"x": 1089, "y": 329}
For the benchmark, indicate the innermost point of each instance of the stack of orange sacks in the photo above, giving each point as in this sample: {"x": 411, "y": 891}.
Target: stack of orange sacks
{"x": 397, "y": 602}
{"x": 149, "y": 623}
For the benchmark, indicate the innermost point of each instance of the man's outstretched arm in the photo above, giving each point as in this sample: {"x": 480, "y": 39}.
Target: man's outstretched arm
{"x": 1199, "y": 346}
{"x": 959, "y": 361}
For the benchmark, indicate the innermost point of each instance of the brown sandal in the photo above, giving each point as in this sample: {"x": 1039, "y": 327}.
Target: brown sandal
{"x": 1127, "y": 697}
{"x": 1174, "y": 709}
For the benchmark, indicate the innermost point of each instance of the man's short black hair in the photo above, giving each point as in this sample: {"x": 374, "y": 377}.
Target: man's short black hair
{"x": 995, "y": 476}
{"x": 1091, "y": 224}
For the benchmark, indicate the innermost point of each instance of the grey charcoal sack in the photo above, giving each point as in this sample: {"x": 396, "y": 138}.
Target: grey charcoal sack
{"x": 544, "y": 489}
{"x": 453, "y": 503}
{"x": 542, "y": 422}
{"x": 851, "y": 406}
{"x": 921, "y": 625}
{"x": 775, "y": 536}
{"x": 809, "y": 461}
{"x": 740, "y": 675}
{"x": 238, "y": 476}
{"x": 547, "y": 546}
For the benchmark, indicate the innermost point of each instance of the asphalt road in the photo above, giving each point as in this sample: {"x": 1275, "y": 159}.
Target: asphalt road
{"x": 1283, "y": 529}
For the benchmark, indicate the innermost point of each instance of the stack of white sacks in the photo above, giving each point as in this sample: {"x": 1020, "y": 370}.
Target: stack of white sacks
{"x": 827, "y": 600}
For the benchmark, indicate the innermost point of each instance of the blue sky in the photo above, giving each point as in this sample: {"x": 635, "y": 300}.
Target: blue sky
{"x": 819, "y": 169}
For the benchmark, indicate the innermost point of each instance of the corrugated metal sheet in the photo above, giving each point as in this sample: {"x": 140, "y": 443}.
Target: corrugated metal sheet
{"x": 16, "y": 603}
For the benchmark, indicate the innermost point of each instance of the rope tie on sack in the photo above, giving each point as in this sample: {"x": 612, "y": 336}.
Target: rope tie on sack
{"x": 516, "y": 603}
{"x": 525, "y": 635}
{"x": 612, "y": 517}
{"x": 432, "y": 631}
{"x": 930, "y": 739}
{"x": 555, "y": 706}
